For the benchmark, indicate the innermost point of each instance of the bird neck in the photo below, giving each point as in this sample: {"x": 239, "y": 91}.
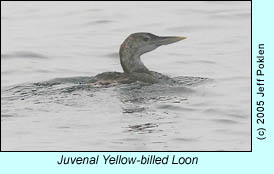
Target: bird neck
{"x": 130, "y": 60}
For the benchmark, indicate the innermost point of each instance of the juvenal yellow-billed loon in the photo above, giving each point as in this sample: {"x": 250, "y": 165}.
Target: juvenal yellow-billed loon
{"x": 130, "y": 52}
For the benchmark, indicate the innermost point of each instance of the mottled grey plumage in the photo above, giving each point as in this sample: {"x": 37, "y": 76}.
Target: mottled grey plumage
{"x": 130, "y": 51}
{"x": 137, "y": 44}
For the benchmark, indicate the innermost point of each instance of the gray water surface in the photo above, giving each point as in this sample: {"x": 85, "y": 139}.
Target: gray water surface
{"x": 41, "y": 41}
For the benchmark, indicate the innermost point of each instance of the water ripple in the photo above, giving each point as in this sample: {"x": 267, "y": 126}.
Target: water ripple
{"x": 24, "y": 54}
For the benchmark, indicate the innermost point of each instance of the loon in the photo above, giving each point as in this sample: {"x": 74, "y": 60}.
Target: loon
{"x": 130, "y": 52}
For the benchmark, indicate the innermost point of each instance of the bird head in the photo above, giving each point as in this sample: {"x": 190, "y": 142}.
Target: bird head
{"x": 144, "y": 42}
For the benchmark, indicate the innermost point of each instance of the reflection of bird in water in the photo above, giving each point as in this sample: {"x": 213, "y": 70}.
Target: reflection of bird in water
{"x": 134, "y": 70}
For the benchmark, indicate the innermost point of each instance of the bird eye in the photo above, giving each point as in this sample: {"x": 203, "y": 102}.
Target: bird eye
{"x": 146, "y": 39}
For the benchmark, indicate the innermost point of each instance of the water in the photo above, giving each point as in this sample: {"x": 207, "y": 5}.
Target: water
{"x": 41, "y": 41}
